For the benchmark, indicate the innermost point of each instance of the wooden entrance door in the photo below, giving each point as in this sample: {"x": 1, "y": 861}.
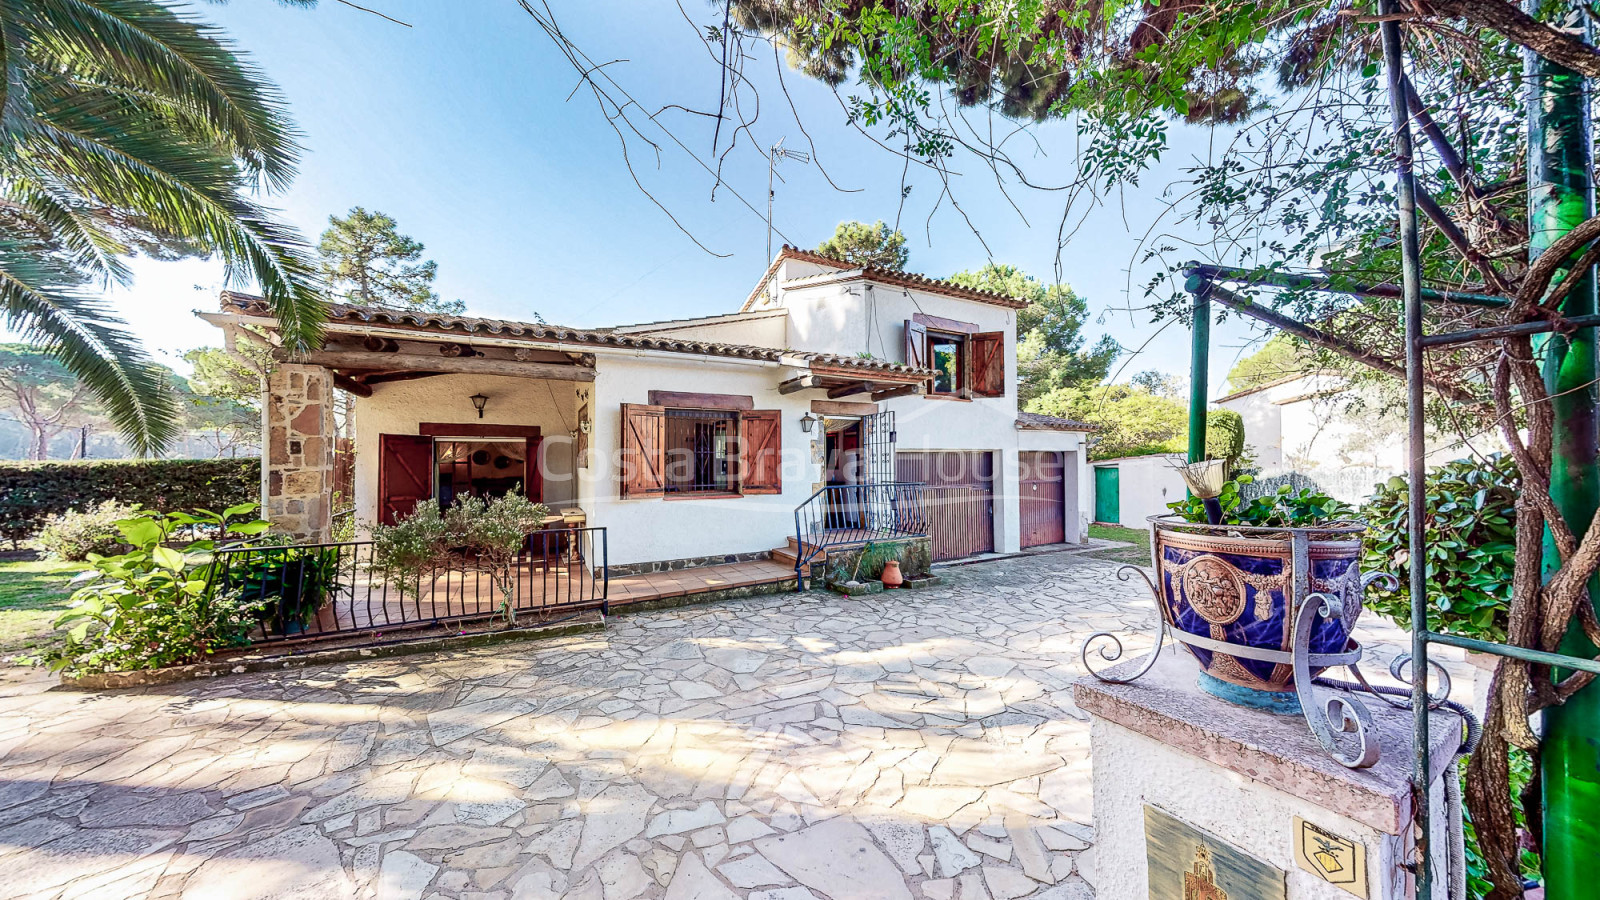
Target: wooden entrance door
{"x": 405, "y": 475}
{"x": 1044, "y": 498}
{"x": 959, "y": 498}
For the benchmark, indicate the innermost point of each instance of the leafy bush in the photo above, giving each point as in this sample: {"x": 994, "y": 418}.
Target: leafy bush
{"x": 1225, "y": 436}
{"x": 73, "y": 535}
{"x": 154, "y": 606}
{"x": 1286, "y": 507}
{"x": 1471, "y": 541}
{"x": 290, "y": 584}
{"x": 32, "y": 492}
{"x": 484, "y": 534}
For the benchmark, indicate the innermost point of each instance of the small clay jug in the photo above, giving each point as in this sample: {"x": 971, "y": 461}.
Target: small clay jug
{"x": 891, "y": 574}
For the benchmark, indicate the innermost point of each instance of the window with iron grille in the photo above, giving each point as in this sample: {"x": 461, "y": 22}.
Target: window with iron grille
{"x": 702, "y": 453}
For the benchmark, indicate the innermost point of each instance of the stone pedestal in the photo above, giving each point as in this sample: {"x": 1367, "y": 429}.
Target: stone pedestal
{"x": 1253, "y": 780}
{"x": 297, "y": 474}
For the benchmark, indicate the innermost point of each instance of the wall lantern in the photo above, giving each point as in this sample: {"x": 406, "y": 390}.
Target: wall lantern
{"x": 808, "y": 422}
{"x": 478, "y": 401}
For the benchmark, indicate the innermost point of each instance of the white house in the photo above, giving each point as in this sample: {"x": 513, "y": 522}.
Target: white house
{"x": 1305, "y": 424}
{"x": 700, "y": 439}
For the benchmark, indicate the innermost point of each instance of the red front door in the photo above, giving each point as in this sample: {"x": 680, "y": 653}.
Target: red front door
{"x": 405, "y": 475}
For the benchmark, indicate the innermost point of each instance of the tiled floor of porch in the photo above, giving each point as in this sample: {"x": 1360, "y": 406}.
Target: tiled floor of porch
{"x": 699, "y": 580}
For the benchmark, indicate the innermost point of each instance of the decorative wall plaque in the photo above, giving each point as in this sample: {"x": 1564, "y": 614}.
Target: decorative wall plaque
{"x": 1186, "y": 863}
{"x": 1334, "y": 859}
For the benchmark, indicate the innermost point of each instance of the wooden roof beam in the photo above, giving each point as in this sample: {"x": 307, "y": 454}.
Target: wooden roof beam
{"x": 415, "y": 362}
{"x": 803, "y": 383}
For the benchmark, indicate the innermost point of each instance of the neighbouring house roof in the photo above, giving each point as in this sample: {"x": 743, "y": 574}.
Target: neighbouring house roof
{"x": 886, "y": 276}
{"x": 1036, "y": 422}
{"x": 1265, "y": 386}
{"x": 538, "y": 332}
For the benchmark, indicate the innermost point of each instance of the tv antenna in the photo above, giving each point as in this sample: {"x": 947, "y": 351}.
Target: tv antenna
{"x": 779, "y": 152}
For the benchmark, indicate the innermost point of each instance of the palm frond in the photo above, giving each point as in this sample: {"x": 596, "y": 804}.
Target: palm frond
{"x": 113, "y": 150}
{"x": 41, "y": 297}
{"x": 126, "y": 124}
{"x": 144, "y": 44}
{"x": 75, "y": 227}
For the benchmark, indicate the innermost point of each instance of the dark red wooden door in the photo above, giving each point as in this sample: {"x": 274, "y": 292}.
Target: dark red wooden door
{"x": 1044, "y": 498}
{"x": 405, "y": 475}
{"x": 959, "y": 498}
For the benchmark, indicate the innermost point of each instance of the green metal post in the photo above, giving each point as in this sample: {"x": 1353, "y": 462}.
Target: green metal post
{"x": 1199, "y": 387}
{"x": 1560, "y": 195}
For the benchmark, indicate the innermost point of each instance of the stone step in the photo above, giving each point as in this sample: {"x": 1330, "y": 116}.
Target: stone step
{"x": 790, "y": 552}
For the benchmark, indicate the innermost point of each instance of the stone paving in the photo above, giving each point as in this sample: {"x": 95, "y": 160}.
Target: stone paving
{"x": 910, "y": 745}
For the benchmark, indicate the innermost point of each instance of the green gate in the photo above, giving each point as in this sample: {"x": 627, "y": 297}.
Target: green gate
{"x": 1107, "y": 495}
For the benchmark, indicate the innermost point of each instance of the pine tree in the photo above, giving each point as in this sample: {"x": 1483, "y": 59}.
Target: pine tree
{"x": 368, "y": 262}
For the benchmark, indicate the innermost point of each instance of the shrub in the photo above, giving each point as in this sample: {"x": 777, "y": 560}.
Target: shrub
{"x": 288, "y": 583}
{"x": 32, "y": 492}
{"x": 1225, "y": 436}
{"x": 1471, "y": 541}
{"x": 484, "y": 534}
{"x": 72, "y": 536}
{"x": 154, "y": 606}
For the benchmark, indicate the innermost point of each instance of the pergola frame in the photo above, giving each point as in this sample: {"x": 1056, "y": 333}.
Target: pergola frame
{"x": 1561, "y": 155}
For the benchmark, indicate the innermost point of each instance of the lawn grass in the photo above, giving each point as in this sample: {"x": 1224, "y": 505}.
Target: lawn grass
{"x": 1138, "y": 554}
{"x": 32, "y": 594}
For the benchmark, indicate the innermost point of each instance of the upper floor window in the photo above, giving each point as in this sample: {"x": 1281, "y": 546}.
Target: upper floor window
{"x": 966, "y": 362}
{"x": 946, "y": 352}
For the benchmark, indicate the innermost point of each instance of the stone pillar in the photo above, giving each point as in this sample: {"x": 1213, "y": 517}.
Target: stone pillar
{"x": 297, "y": 469}
{"x": 1255, "y": 784}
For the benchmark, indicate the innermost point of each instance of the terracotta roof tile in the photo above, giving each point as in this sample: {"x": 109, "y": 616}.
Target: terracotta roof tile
{"x": 888, "y": 276}
{"x": 1037, "y": 422}
{"x": 434, "y": 323}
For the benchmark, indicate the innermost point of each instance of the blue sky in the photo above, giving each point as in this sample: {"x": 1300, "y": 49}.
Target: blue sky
{"x": 460, "y": 128}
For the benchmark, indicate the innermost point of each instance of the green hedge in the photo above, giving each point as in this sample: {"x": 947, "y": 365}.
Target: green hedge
{"x": 32, "y": 492}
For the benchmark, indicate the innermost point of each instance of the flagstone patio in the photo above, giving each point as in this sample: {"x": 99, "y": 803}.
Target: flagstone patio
{"x": 907, "y": 745}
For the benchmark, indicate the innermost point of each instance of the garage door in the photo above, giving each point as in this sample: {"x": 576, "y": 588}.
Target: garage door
{"x": 960, "y": 498}
{"x": 1044, "y": 498}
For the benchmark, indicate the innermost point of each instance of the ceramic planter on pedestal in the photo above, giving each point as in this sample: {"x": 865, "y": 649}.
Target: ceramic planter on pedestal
{"x": 1228, "y": 585}
{"x": 1263, "y": 610}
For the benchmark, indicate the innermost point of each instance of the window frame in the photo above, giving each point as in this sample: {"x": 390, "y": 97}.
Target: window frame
{"x": 959, "y": 386}
{"x": 728, "y": 456}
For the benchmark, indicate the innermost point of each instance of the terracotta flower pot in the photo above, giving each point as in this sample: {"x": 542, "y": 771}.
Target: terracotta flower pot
{"x": 891, "y": 574}
{"x": 1223, "y": 585}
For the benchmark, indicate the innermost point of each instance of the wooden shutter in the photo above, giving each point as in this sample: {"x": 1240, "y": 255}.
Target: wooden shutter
{"x": 405, "y": 475}
{"x": 917, "y": 347}
{"x": 644, "y": 431}
{"x": 987, "y": 373}
{"x": 761, "y": 452}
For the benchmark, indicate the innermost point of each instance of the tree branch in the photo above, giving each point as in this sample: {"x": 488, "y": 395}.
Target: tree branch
{"x": 1520, "y": 28}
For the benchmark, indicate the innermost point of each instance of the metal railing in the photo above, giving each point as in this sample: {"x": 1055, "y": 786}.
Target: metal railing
{"x": 842, "y": 514}
{"x": 331, "y": 589}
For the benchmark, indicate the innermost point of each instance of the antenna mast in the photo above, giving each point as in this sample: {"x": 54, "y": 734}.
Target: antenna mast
{"x": 779, "y": 152}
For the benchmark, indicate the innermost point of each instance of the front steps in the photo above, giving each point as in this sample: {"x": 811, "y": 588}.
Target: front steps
{"x": 789, "y": 553}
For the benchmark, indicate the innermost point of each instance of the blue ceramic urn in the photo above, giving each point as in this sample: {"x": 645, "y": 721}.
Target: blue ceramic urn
{"x": 1234, "y": 596}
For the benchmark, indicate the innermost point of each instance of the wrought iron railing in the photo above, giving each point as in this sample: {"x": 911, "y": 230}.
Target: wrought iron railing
{"x": 844, "y": 514}
{"x": 331, "y": 589}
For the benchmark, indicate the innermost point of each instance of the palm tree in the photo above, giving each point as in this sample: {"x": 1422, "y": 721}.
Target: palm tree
{"x": 127, "y": 126}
